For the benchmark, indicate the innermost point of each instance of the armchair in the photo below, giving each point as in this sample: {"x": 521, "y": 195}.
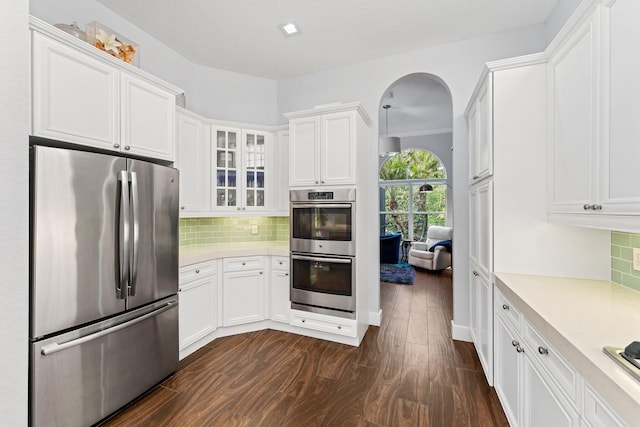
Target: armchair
{"x": 420, "y": 254}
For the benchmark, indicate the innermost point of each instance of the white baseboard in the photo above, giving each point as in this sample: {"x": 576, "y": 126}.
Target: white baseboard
{"x": 460, "y": 333}
{"x": 375, "y": 319}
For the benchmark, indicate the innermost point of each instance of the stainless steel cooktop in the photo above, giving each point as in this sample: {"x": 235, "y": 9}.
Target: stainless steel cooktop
{"x": 631, "y": 366}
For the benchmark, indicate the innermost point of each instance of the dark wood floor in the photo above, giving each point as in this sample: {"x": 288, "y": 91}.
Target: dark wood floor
{"x": 407, "y": 372}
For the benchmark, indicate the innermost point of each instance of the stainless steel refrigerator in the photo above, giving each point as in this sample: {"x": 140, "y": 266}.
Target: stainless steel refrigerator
{"x": 104, "y": 282}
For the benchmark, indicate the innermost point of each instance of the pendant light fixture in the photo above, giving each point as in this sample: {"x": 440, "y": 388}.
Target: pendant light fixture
{"x": 388, "y": 145}
{"x": 425, "y": 188}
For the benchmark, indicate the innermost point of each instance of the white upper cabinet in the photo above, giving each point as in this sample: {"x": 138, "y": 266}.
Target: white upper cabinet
{"x": 148, "y": 119}
{"x": 572, "y": 90}
{"x": 192, "y": 159}
{"x": 85, "y": 96}
{"x": 620, "y": 150}
{"x": 593, "y": 93}
{"x": 480, "y": 120}
{"x": 75, "y": 97}
{"x": 240, "y": 169}
{"x": 322, "y": 146}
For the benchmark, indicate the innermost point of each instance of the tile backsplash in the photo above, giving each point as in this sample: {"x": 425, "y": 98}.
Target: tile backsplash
{"x": 196, "y": 231}
{"x": 622, "y": 271}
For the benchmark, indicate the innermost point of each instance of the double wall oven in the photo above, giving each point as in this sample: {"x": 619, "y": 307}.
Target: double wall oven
{"x": 323, "y": 248}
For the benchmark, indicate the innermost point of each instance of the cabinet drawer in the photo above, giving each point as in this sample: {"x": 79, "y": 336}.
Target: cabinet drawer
{"x": 243, "y": 263}
{"x": 565, "y": 376}
{"x": 280, "y": 263}
{"x": 509, "y": 312}
{"x": 320, "y": 322}
{"x": 196, "y": 271}
{"x": 596, "y": 412}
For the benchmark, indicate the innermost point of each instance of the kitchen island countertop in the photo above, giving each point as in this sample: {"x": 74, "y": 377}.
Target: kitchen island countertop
{"x": 578, "y": 317}
{"x": 194, "y": 254}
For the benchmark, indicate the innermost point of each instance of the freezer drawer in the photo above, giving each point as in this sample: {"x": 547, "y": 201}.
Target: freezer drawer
{"x": 82, "y": 376}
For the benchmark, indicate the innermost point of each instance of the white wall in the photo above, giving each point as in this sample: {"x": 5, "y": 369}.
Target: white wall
{"x": 458, "y": 65}
{"x": 216, "y": 94}
{"x": 14, "y": 227}
{"x": 563, "y": 10}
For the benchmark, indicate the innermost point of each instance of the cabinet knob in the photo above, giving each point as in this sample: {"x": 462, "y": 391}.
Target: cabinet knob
{"x": 182, "y": 207}
{"x": 244, "y": 263}
{"x": 304, "y": 320}
{"x": 116, "y": 145}
{"x": 317, "y": 182}
{"x": 339, "y": 327}
{"x": 519, "y": 349}
{"x": 475, "y": 177}
{"x": 261, "y": 272}
{"x": 597, "y": 207}
{"x": 515, "y": 343}
{"x": 322, "y": 182}
{"x": 505, "y": 307}
{"x": 475, "y": 273}
{"x": 197, "y": 271}
{"x": 126, "y": 147}
{"x": 586, "y": 207}
{"x": 244, "y": 209}
{"x": 238, "y": 207}
{"x": 286, "y": 274}
{"x": 543, "y": 350}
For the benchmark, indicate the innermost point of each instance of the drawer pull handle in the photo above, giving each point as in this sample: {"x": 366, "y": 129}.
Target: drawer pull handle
{"x": 339, "y": 327}
{"x": 515, "y": 343}
{"x": 505, "y": 307}
{"x": 519, "y": 349}
{"x": 197, "y": 271}
{"x": 543, "y": 350}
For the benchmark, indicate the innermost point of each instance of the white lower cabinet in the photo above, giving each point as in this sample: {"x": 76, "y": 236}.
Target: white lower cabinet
{"x": 481, "y": 302}
{"x": 526, "y": 373}
{"x": 197, "y": 296}
{"x": 596, "y": 413}
{"x": 279, "y": 287}
{"x": 243, "y": 290}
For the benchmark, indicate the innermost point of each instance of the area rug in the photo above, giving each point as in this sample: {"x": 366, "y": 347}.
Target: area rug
{"x": 401, "y": 273}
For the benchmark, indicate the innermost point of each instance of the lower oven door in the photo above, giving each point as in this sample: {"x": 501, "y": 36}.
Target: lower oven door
{"x": 323, "y": 281}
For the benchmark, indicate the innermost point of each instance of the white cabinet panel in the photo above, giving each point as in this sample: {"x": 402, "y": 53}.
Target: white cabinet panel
{"x": 280, "y": 301}
{"x": 193, "y": 151}
{"x": 243, "y": 297}
{"x": 508, "y": 369}
{"x": 542, "y": 405}
{"x": 197, "y": 315}
{"x": 621, "y": 92}
{"x": 481, "y": 291}
{"x": 304, "y": 157}
{"x": 148, "y": 119}
{"x": 483, "y": 159}
{"x": 572, "y": 94}
{"x": 75, "y": 97}
{"x": 338, "y": 148}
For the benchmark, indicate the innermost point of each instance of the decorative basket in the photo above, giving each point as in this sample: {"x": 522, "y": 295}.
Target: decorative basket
{"x": 115, "y": 44}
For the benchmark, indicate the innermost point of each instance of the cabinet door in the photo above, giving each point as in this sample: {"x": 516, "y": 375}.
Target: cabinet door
{"x": 337, "y": 157}
{"x": 226, "y": 164}
{"x": 508, "y": 368}
{"x": 482, "y": 159}
{"x": 280, "y": 187}
{"x": 473, "y": 304}
{"x": 620, "y": 192}
{"x": 254, "y": 150}
{"x": 75, "y": 97}
{"x": 481, "y": 227}
{"x": 197, "y": 310}
{"x": 148, "y": 119}
{"x": 304, "y": 152}
{"x": 572, "y": 94}
{"x": 484, "y": 345}
{"x": 280, "y": 302}
{"x": 243, "y": 297}
{"x": 542, "y": 405}
{"x": 193, "y": 157}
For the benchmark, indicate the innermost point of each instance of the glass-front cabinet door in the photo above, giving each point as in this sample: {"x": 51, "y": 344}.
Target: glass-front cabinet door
{"x": 254, "y": 144}
{"x": 227, "y": 162}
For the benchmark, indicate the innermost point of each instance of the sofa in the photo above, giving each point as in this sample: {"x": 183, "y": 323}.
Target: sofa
{"x": 435, "y": 252}
{"x": 390, "y": 248}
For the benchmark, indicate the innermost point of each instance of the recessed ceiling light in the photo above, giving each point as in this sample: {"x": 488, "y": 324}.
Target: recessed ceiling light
{"x": 289, "y": 29}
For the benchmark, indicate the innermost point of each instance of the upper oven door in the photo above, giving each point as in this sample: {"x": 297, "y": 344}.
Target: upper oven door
{"x": 325, "y": 228}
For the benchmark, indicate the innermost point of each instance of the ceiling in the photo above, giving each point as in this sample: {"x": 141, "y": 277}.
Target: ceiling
{"x": 242, "y": 35}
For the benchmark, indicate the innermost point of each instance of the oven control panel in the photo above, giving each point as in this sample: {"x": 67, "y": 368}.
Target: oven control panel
{"x": 320, "y": 195}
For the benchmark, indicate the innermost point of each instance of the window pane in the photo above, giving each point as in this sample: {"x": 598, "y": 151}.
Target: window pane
{"x": 394, "y": 223}
{"x": 396, "y": 198}
{"x": 432, "y": 201}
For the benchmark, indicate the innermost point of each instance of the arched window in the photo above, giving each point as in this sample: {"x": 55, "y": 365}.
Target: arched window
{"x": 413, "y": 194}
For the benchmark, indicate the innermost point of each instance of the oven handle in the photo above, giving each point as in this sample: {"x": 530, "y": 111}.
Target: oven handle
{"x": 322, "y": 259}
{"x": 320, "y": 205}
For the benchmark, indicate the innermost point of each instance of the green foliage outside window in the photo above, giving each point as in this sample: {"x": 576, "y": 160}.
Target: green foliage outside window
{"x": 405, "y": 209}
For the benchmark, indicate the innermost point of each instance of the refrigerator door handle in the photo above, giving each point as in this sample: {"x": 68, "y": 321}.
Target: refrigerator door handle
{"x": 136, "y": 233}
{"x": 55, "y": 347}
{"x": 123, "y": 237}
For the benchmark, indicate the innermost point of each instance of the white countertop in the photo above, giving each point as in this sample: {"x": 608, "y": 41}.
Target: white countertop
{"x": 578, "y": 317}
{"x": 199, "y": 253}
